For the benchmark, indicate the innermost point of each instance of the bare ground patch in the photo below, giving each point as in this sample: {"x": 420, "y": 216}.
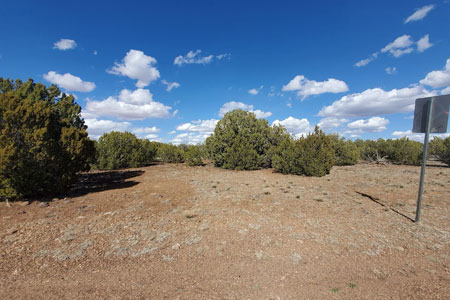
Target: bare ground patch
{"x": 172, "y": 231}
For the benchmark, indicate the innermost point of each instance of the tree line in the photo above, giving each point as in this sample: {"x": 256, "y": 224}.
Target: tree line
{"x": 44, "y": 145}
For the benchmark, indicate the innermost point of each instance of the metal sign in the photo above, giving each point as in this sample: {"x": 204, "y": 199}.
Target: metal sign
{"x": 430, "y": 116}
{"x": 439, "y": 116}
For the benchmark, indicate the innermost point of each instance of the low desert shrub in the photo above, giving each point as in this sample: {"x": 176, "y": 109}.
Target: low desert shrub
{"x": 193, "y": 156}
{"x": 169, "y": 153}
{"x": 440, "y": 148}
{"x": 116, "y": 150}
{"x": 346, "y": 152}
{"x": 312, "y": 155}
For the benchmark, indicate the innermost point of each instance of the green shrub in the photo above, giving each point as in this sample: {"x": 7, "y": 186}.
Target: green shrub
{"x": 311, "y": 156}
{"x": 404, "y": 151}
{"x": 346, "y": 152}
{"x": 193, "y": 156}
{"x": 440, "y": 148}
{"x": 116, "y": 150}
{"x": 169, "y": 153}
{"x": 43, "y": 140}
{"x": 243, "y": 142}
{"x": 401, "y": 151}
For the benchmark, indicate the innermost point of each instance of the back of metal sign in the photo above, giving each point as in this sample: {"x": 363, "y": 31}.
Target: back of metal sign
{"x": 439, "y": 118}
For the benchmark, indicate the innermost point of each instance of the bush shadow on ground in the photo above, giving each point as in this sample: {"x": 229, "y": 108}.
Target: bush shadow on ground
{"x": 103, "y": 181}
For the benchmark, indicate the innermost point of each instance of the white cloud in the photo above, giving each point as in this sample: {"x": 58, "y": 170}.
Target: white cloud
{"x": 189, "y": 138}
{"x": 97, "y": 128}
{"x": 374, "y": 124}
{"x": 417, "y": 136}
{"x": 194, "y": 57}
{"x": 419, "y": 14}
{"x": 95, "y": 52}
{"x": 400, "y": 46}
{"x": 229, "y": 106}
{"x": 206, "y": 126}
{"x": 170, "y": 85}
{"x": 391, "y": 70}
{"x": 306, "y": 87}
{"x": 130, "y": 105}
{"x": 137, "y": 65}
{"x": 296, "y": 127}
{"x": 69, "y": 82}
{"x": 438, "y": 79}
{"x": 255, "y": 91}
{"x": 145, "y": 130}
{"x": 372, "y": 102}
{"x": 172, "y": 132}
{"x": 65, "y": 44}
{"x": 445, "y": 91}
{"x": 365, "y": 62}
{"x": 424, "y": 43}
{"x": 331, "y": 122}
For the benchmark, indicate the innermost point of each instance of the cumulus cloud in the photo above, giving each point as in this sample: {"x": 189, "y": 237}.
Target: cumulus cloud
{"x": 137, "y": 65}
{"x": 372, "y": 102}
{"x": 400, "y": 46}
{"x": 170, "y": 85}
{"x": 130, "y": 105}
{"x": 445, "y": 91}
{"x": 65, "y": 44}
{"x": 189, "y": 138}
{"x": 374, "y": 124}
{"x": 417, "y": 136}
{"x": 69, "y": 82}
{"x": 206, "y": 126}
{"x": 331, "y": 122}
{"x": 229, "y": 106}
{"x": 96, "y": 128}
{"x": 306, "y": 87}
{"x": 255, "y": 91}
{"x": 419, "y": 14}
{"x": 195, "y": 57}
{"x": 145, "y": 130}
{"x": 424, "y": 43}
{"x": 391, "y": 70}
{"x": 438, "y": 79}
{"x": 296, "y": 127}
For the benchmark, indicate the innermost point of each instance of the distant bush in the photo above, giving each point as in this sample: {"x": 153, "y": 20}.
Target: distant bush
{"x": 440, "y": 148}
{"x": 193, "y": 156}
{"x": 312, "y": 155}
{"x": 400, "y": 151}
{"x": 43, "y": 140}
{"x": 169, "y": 153}
{"x": 346, "y": 152}
{"x": 243, "y": 142}
{"x": 116, "y": 150}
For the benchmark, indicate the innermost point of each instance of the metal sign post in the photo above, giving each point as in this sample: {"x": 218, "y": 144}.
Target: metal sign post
{"x": 424, "y": 158}
{"x": 430, "y": 116}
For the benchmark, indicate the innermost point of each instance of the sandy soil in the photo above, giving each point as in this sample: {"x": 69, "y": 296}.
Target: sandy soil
{"x": 178, "y": 232}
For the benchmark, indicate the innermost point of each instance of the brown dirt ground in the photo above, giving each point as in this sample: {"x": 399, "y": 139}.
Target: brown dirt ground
{"x": 178, "y": 232}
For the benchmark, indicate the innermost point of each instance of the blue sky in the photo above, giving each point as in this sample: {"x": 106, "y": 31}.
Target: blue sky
{"x": 168, "y": 70}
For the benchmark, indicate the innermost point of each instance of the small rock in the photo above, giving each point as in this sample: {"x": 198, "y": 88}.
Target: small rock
{"x": 176, "y": 246}
{"x": 296, "y": 258}
{"x": 259, "y": 254}
{"x": 44, "y": 204}
{"x": 11, "y": 231}
{"x": 193, "y": 240}
{"x": 167, "y": 258}
{"x": 203, "y": 227}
